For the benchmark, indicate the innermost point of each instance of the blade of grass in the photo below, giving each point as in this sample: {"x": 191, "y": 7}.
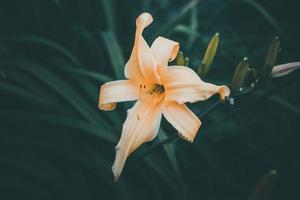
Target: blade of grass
{"x": 108, "y": 9}
{"x": 69, "y": 122}
{"x": 2, "y": 74}
{"x": 264, "y": 13}
{"x": 162, "y": 172}
{"x": 90, "y": 74}
{"x": 170, "y": 150}
{"x": 186, "y": 30}
{"x": 15, "y": 90}
{"x": 115, "y": 53}
{"x": 194, "y": 26}
{"x": 168, "y": 27}
{"x": 38, "y": 174}
{"x": 45, "y": 42}
{"x": 263, "y": 188}
{"x": 60, "y": 87}
{"x": 286, "y": 104}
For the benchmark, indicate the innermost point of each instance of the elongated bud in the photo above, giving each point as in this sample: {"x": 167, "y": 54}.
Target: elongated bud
{"x": 284, "y": 69}
{"x": 240, "y": 75}
{"x": 209, "y": 56}
{"x": 270, "y": 60}
{"x": 180, "y": 59}
{"x": 263, "y": 188}
{"x": 186, "y": 61}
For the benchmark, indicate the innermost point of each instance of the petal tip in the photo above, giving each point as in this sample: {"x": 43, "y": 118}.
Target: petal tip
{"x": 224, "y": 92}
{"x": 145, "y": 19}
{"x": 107, "y": 106}
{"x": 189, "y": 139}
{"x": 116, "y": 174}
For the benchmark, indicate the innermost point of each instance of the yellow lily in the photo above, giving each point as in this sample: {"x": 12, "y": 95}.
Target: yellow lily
{"x": 159, "y": 90}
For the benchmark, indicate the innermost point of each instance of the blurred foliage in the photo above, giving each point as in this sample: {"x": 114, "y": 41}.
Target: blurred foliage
{"x": 263, "y": 188}
{"x": 56, "y": 144}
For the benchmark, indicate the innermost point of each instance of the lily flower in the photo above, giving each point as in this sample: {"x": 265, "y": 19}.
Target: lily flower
{"x": 159, "y": 90}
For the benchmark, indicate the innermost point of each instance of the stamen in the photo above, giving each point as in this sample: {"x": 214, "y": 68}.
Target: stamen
{"x": 138, "y": 117}
{"x": 155, "y": 91}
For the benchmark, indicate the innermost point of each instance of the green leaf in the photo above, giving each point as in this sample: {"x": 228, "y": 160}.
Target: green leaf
{"x": 193, "y": 27}
{"x": 2, "y": 74}
{"x": 170, "y": 151}
{"x": 91, "y": 74}
{"x": 60, "y": 87}
{"x": 189, "y": 31}
{"x": 286, "y": 104}
{"x": 47, "y": 43}
{"x": 168, "y": 27}
{"x": 264, "y": 13}
{"x": 163, "y": 172}
{"x": 18, "y": 91}
{"x": 70, "y": 122}
{"x": 58, "y": 4}
{"x": 240, "y": 75}
{"x": 115, "y": 53}
{"x": 109, "y": 13}
{"x": 209, "y": 56}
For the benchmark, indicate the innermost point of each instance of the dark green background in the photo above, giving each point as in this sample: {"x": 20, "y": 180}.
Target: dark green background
{"x": 56, "y": 144}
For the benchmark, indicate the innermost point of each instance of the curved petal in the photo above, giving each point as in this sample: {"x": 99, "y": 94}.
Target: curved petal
{"x": 284, "y": 69}
{"x": 164, "y": 50}
{"x": 141, "y": 125}
{"x": 142, "y": 66}
{"x": 182, "y": 84}
{"x": 117, "y": 91}
{"x": 182, "y": 118}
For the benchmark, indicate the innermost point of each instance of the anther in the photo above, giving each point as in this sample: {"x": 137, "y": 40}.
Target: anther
{"x": 138, "y": 117}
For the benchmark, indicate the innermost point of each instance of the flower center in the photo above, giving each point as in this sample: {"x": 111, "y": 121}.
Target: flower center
{"x": 155, "y": 92}
{"x": 159, "y": 89}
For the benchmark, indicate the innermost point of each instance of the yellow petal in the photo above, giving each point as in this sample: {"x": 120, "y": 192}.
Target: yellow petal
{"x": 142, "y": 66}
{"x": 117, "y": 91}
{"x": 182, "y": 118}
{"x": 164, "y": 50}
{"x": 141, "y": 125}
{"x": 182, "y": 84}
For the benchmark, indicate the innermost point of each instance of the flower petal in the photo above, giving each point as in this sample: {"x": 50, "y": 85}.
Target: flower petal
{"x": 182, "y": 118}
{"x": 164, "y": 50}
{"x": 183, "y": 85}
{"x": 284, "y": 69}
{"x": 142, "y": 66}
{"x": 117, "y": 91}
{"x": 141, "y": 125}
